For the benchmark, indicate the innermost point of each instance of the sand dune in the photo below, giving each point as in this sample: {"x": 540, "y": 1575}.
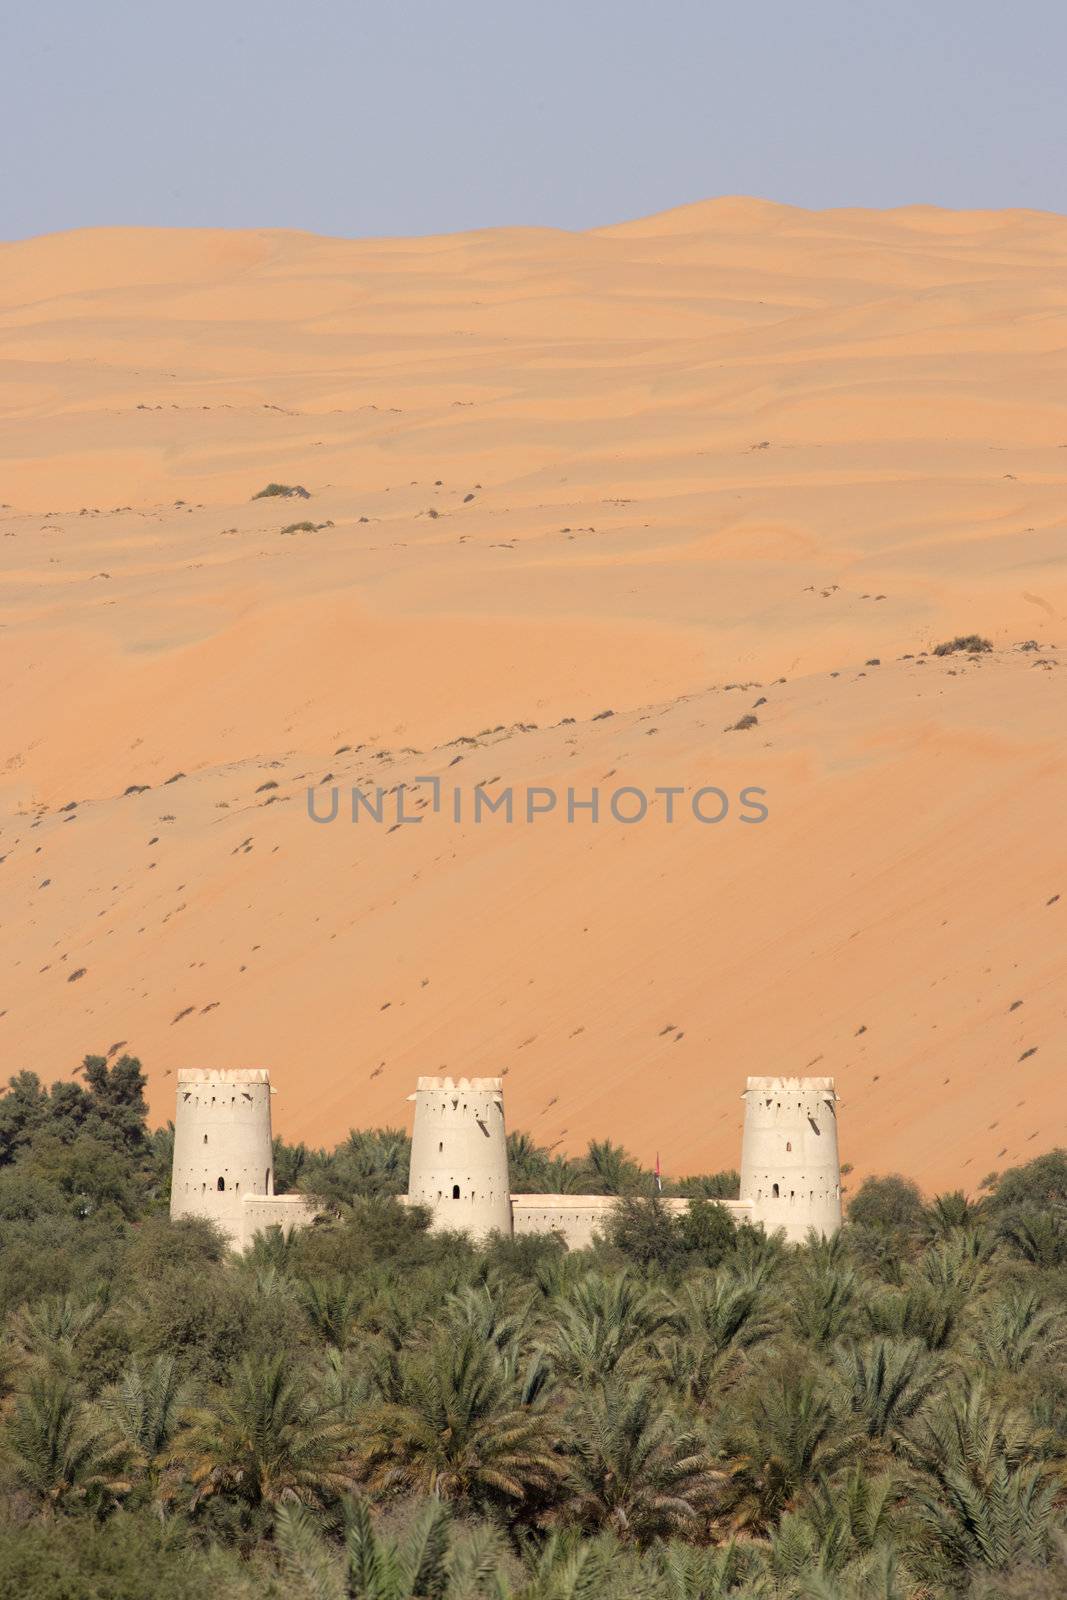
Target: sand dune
{"x": 735, "y": 453}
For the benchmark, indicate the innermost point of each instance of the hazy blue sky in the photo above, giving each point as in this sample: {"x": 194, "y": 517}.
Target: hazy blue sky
{"x": 411, "y": 116}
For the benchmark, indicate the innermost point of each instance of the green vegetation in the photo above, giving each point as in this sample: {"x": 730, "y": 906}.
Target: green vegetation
{"x": 972, "y": 642}
{"x": 273, "y": 489}
{"x": 366, "y": 1409}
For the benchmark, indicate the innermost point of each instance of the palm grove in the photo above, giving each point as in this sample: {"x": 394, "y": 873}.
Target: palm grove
{"x": 366, "y": 1409}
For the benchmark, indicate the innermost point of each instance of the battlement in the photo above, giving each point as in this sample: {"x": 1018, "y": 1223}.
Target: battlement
{"x": 790, "y": 1086}
{"x": 213, "y": 1075}
{"x": 475, "y": 1085}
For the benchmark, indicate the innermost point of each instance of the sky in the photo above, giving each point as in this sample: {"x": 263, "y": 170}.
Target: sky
{"x": 421, "y": 116}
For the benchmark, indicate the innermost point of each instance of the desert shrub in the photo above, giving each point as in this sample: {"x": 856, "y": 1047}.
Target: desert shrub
{"x": 158, "y": 1245}
{"x": 707, "y": 1232}
{"x": 972, "y": 642}
{"x": 377, "y": 1233}
{"x": 1041, "y": 1183}
{"x": 644, "y": 1231}
{"x": 888, "y": 1205}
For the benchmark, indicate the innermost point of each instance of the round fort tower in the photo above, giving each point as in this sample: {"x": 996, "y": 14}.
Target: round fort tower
{"x": 222, "y": 1145}
{"x": 459, "y": 1156}
{"x": 790, "y": 1168}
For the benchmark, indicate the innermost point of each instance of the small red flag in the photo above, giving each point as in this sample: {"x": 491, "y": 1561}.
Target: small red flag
{"x": 659, "y": 1180}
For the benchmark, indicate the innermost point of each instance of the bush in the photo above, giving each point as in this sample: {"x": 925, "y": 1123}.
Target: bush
{"x": 892, "y": 1205}
{"x": 972, "y": 642}
{"x": 294, "y": 490}
{"x": 1041, "y": 1183}
{"x": 708, "y": 1232}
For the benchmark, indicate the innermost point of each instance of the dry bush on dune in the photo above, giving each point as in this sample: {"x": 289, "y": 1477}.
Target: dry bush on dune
{"x": 293, "y": 490}
{"x": 972, "y": 642}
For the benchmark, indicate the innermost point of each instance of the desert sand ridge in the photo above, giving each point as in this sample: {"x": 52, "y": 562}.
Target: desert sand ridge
{"x": 736, "y": 460}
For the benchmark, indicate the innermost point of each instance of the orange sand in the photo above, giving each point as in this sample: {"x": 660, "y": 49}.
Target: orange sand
{"x": 734, "y": 444}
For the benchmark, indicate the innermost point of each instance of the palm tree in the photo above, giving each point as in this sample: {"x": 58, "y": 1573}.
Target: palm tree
{"x": 496, "y": 1314}
{"x": 718, "y": 1321}
{"x": 455, "y": 1422}
{"x": 1039, "y": 1237}
{"x": 606, "y": 1324}
{"x": 841, "y": 1532}
{"x": 635, "y": 1470}
{"x": 959, "y": 1267}
{"x": 1017, "y": 1330}
{"x": 50, "y": 1328}
{"x": 427, "y": 1563}
{"x": 375, "y": 1161}
{"x": 825, "y": 1297}
{"x": 273, "y": 1247}
{"x": 937, "y": 1291}
{"x": 55, "y": 1451}
{"x": 269, "y": 1438}
{"x": 612, "y": 1169}
{"x": 330, "y": 1306}
{"x": 788, "y": 1439}
{"x": 681, "y": 1571}
{"x": 145, "y": 1409}
{"x": 982, "y": 1499}
{"x": 887, "y": 1383}
{"x": 529, "y": 1165}
{"x": 759, "y": 1256}
{"x": 949, "y": 1212}
{"x": 563, "y": 1176}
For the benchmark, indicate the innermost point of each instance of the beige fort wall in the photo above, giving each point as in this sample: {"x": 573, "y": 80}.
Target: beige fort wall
{"x": 579, "y": 1217}
{"x": 285, "y": 1211}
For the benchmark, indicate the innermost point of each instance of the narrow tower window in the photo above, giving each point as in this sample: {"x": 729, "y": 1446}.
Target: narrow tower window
{"x": 455, "y": 1191}
{"x": 774, "y": 1190}
{"x": 221, "y": 1183}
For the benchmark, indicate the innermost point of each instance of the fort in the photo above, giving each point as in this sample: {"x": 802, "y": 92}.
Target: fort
{"x": 223, "y": 1161}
